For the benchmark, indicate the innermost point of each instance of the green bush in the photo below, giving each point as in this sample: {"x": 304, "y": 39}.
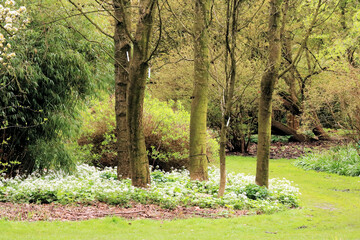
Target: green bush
{"x": 254, "y": 192}
{"x": 53, "y": 70}
{"x": 343, "y": 160}
{"x": 166, "y": 130}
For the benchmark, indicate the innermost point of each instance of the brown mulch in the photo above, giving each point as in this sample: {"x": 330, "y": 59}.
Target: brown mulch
{"x": 77, "y": 212}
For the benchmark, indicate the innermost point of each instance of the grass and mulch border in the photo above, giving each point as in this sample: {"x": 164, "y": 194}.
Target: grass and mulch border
{"x": 330, "y": 209}
{"x": 78, "y": 212}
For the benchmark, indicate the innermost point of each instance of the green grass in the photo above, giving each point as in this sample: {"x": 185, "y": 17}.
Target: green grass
{"x": 330, "y": 210}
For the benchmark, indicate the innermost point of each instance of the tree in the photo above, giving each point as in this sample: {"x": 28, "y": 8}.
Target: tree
{"x": 138, "y": 70}
{"x": 130, "y": 81}
{"x": 268, "y": 82}
{"x": 122, "y": 48}
{"x": 198, "y": 159}
{"x": 231, "y": 31}
{"x": 12, "y": 20}
{"x": 267, "y": 87}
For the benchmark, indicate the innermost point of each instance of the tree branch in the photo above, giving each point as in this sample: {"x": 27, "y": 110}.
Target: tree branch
{"x": 307, "y": 35}
{"x": 89, "y": 19}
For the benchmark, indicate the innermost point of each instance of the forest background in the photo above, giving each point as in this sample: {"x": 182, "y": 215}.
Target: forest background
{"x": 57, "y": 90}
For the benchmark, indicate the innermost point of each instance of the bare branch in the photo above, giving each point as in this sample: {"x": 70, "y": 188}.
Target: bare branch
{"x": 178, "y": 19}
{"x": 252, "y": 18}
{"x": 160, "y": 33}
{"x": 89, "y": 19}
{"x": 307, "y": 35}
{"x": 73, "y": 15}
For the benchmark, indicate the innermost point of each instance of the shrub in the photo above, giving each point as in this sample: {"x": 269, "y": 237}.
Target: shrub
{"x": 166, "y": 130}
{"x": 254, "y": 192}
{"x": 343, "y": 160}
{"x": 40, "y": 92}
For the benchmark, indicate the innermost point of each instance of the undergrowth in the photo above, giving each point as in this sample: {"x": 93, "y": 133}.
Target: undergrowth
{"x": 166, "y": 132}
{"x": 339, "y": 160}
{"x": 167, "y": 190}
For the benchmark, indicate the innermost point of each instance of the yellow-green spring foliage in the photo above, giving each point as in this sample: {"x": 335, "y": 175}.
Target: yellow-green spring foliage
{"x": 166, "y": 130}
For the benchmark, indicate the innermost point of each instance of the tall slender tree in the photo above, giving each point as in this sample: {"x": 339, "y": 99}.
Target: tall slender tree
{"x": 268, "y": 81}
{"x": 230, "y": 56}
{"x": 122, "y": 46}
{"x": 267, "y": 88}
{"x": 198, "y": 159}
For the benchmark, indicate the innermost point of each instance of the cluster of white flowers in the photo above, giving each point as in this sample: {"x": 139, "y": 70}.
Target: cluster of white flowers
{"x": 167, "y": 189}
{"x": 11, "y": 20}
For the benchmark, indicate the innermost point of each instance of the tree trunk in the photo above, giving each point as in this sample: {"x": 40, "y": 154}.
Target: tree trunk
{"x": 231, "y": 24}
{"x": 290, "y": 100}
{"x": 198, "y": 159}
{"x": 267, "y": 87}
{"x": 140, "y": 174}
{"x": 318, "y": 129}
{"x": 288, "y": 131}
{"x": 139, "y": 161}
{"x": 122, "y": 53}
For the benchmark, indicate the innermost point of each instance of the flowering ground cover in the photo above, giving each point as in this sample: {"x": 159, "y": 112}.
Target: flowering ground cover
{"x": 167, "y": 190}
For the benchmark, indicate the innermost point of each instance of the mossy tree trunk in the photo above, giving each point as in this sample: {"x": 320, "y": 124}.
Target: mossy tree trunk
{"x": 268, "y": 81}
{"x": 138, "y": 75}
{"x": 131, "y": 75}
{"x": 122, "y": 82}
{"x": 230, "y": 39}
{"x": 198, "y": 158}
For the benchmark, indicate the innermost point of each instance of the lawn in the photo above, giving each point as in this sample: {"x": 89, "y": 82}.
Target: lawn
{"x": 330, "y": 210}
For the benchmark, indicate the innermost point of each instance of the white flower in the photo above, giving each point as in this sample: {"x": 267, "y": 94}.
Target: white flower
{"x": 10, "y": 2}
{"x": 8, "y": 19}
{"x": 22, "y": 9}
{"x": 8, "y": 26}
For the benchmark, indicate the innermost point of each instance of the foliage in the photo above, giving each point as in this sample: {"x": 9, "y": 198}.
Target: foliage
{"x": 274, "y": 138}
{"x": 339, "y": 160}
{"x": 167, "y": 190}
{"x": 51, "y": 72}
{"x": 166, "y": 127}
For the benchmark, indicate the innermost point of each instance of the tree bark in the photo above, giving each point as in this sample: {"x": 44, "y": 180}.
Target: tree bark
{"x": 318, "y": 129}
{"x": 231, "y": 24}
{"x": 140, "y": 174}
{"x": 288, "y": 131}
{"x": 122, "y": 81}
{"x": 267, "y": 87}
{"x": 198, "y": 159}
